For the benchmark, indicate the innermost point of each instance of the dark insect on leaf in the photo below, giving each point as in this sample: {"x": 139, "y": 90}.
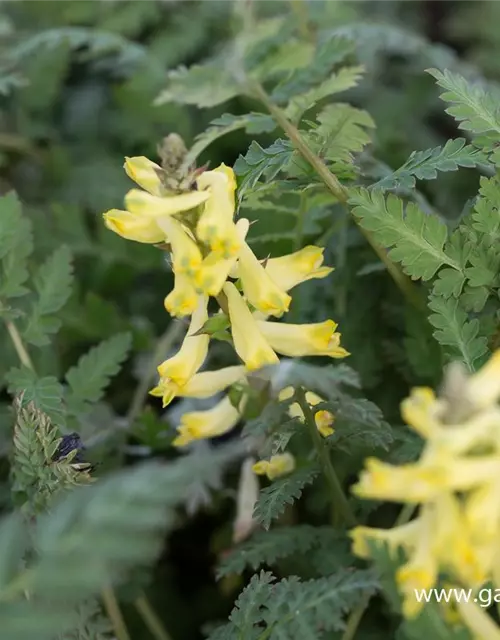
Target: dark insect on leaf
{"x": 69, "y": 443}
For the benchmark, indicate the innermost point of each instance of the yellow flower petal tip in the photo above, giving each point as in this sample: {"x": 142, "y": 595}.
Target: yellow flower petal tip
{"x": 277, "y": 466}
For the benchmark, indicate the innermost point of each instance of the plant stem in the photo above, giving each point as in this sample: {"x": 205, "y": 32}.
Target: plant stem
{"x": 355, "y": 618}
{"x": 340, "y": 504}
{"x": 171, "y": 335}
{"x": 152, "y": 621}
{"x": 18, "y": 343}
{"x": 338, "y": 190}
{"x": 114, "y": 614}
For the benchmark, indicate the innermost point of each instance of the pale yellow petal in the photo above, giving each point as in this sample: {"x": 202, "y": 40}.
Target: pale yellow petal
{"x": 183, "y": 298}
{"x": 208, "y": 383}
{"x": 133, "y": 227}
{"x": 298, "y": 340}
{"x": 149, "y": 206}
{"x": 199, "y": 425}
{"x": 144, "y": 172}
{"x": 290, "y": 270}
{"x": 249, "y": 343}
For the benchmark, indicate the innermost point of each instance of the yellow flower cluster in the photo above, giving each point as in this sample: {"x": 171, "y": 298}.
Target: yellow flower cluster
{"x": 456, "y": 482}
{"x": 208, "y": 250}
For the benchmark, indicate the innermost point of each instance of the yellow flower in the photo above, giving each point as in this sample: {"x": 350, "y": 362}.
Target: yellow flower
{"x": 208, "y": 383}
{"x": 323, "y": 419}
{"x": 478, "y": 621}
{"x": 297, "y": 340}
{"x": 183, "y": 299}
{"x": 199, "y": 425}
{"x": 420, "y": 411}
{"x": 145, "y": 173}
{"x": 215, "y": 270}
{"x": 249, "y": 343}
{"x": 177, "y": 371}
{"x": 215, "y": 226}
{"x": 133, "y": 227}
{"x": 276, "y": 466}
{"x": 259, "y": 288}
{"x": 404, "y": 536}
{"x": 146, "y": 205}
{"x": 290, "y": 270}
{"x": 186, "y": 255}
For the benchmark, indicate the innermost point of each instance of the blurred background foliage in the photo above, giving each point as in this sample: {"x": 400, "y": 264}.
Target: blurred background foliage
{"x": 78, "y": 80}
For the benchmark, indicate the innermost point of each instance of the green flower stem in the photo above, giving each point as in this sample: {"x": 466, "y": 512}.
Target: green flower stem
{"x": 338, "y": 190}
{"x": 18, "y": 343}
{"x": 114, "y": 614}
{"x": 151, "y": 619}
{"x": 340, "y": 504}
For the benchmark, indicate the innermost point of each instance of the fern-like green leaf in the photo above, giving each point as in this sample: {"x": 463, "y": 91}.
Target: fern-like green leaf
{"x": 330, "y": 53}
{"x": 53, "y": 284}
{"x": 292, "y": 609}
{"x": 486, "y": 214}
{"x": 266, "y": 547}
{"x": 417, "y": 239}
{"x": 342, "y": 131}
{"x": 90, "y": 376}
{"x": 253, "y": 123}
{"x": 45, "y": 393}
{"x": 476, "y": 110}
{"x": 16, "y": 244}
{"x": 273, "y": 499}
{"x": 344, "y": 79}
{"x": 455, "y": 331}
{"x": 259, "y": 162}
{"x": 202, "y": 85}
{"x": 424, "y": 165}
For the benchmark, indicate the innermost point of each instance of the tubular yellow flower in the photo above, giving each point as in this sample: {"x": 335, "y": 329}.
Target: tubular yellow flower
{"x": 297, "y": 340}
{"x": 249, "y": 343}
{"x": 208, "y": 383}
{"x": 404, "y": 536}
{"x": 186, "y": 255}
{"x": 215, "y": 226}
{"x": 323, "y": 419}
{"x": 259, "y": 288}
{"x": 144, "y": 204}
{"x": 290, "y": 270}
{"x": 133, "y": 227}
{"x": 277, "y": 466}
{"x": 478, "y": 621}
{"x": 178, "y": 370}
{"x": 215, "y": 270}
{"x": 145, "y": 173}
{"x": 183, "y": 299}
{"x": 419, "y": 411}
{"x": 199, "y": 425}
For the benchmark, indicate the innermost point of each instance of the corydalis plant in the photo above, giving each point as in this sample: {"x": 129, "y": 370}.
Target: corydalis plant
{"x": 210, "y": 258}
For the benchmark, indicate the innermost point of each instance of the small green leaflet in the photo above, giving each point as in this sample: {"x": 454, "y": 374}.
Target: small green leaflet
{"x": 454, "y": 330}
{"x": 91, "y": 375}
{"x": 342, "y": 131}
{"x": 475, "y": 109}
{"x": 424, "y": 165}
{"x": 46, "y": 393}
{"x": 253, "y": 123}
{"x": 417, "y": 239}
{"x": 273, "y": 499}
{"x": 16, "y": 244}
{"x": 344, "y": 79}
{"x": 202, "y": 85}
{"x": 486, "y": 214}
{"x": 53, "y": 283}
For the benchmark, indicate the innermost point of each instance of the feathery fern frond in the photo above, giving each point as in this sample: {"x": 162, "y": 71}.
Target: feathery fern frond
{"x": 53, "y": 283}
{"x": 273, "y": 499}
{"x": 455, "y": 331}
{"x": 16, "y": 244}
{"x": 417, "y": 239}
{"x": 342, "y": 131}
{"x": 266, "y": 547}
{"x": 45, "y": 393}
{"x": 344, "y": 79}
{"x": 292, "y": 609}
{"x": 424, "y": 165}
{"x": 90, "y": 376}
{"x": 475, "y": 109}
